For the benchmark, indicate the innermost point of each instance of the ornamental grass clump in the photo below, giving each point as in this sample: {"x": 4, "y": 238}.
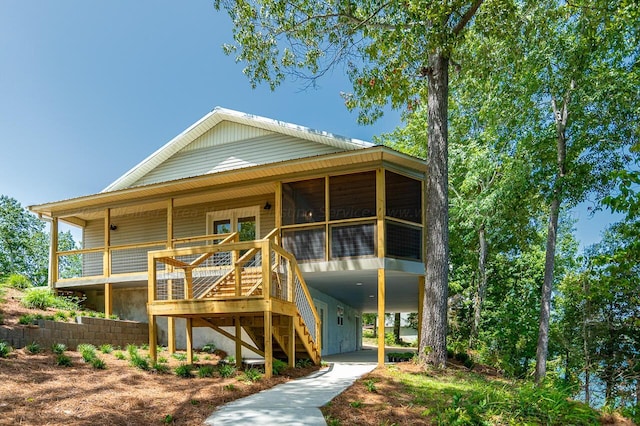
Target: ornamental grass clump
{"x": 5, "y": 349}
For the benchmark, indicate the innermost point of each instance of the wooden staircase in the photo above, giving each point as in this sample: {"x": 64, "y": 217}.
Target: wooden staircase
{"x": 251, "y": 285}
{"x": 228, "y": 286}
{"x": 305, "y": 346}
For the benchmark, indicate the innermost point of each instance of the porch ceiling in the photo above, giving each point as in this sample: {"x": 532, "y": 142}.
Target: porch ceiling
{"x": 359, "y": 289}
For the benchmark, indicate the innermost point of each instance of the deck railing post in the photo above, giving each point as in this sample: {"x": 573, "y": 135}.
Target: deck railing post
{"x": 266, "y": 269}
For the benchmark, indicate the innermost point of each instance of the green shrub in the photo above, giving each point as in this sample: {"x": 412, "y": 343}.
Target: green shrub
{"x": 106, "y": 348}
{"x": 139, "y": 362}
{"x": 390, "y": 339}
{"x": 17, "y": 281}
{"x": 160, "y": 368}
{"x": 162, "y": 360}
{"x": 43, "y": 298}
{"x": 28, "y": 319}
{"x": 251, "y": 375}
{"x": 368, "y": 334}
{"x": 226, "y": 370}
{"x": 58, "y": 348}
{"x": 38, "y": 298}
{"x": 278, "y": 366}
{"x": 33, "y": 348}
{"x": 180, "y": 356}
{"x": 303, "y": 363}
{"x": 370, "y": 385}
{"x": 5, "y": 349}
{"x": 88, "y": 351}
{"x": 119, "y": 355}
{"x": 132, "y": 349}
{"x": 184, "y": 370}
{"x": 98, "y": 363}
{"x": 205, "y": 371}
{"x": 63, "y": 360}
{"x": 209, "y": 348}
{"x": 60, "y": 316}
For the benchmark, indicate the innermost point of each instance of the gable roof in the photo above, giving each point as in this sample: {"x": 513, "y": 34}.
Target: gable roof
{"x": 257, "y": 126}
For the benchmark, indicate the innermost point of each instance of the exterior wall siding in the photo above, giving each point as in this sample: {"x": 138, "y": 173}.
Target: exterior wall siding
{"x": 339, "y": 338}
{"x": 265, "y": 149}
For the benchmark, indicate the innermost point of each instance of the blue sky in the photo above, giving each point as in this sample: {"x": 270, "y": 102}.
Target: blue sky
{"x": 90, "y": 88}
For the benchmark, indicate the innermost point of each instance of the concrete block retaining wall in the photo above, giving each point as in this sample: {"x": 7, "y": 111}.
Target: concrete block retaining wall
{"x": 96, "y": 331}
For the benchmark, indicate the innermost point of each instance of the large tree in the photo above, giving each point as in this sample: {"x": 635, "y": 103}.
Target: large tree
{"x": 579, "y": 62}
{"x": 23, "y": 242}
{"x": 396, "y": 53}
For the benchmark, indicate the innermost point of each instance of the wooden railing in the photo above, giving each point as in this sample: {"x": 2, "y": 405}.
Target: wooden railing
{"x": 232, "y": 270}
{"x": 121, "y": 259}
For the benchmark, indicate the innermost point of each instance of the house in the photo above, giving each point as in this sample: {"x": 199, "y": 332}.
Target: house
{"x": 244, "y": 227}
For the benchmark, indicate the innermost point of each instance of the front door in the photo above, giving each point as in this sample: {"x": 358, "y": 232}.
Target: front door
{"x": 244, "y": 221}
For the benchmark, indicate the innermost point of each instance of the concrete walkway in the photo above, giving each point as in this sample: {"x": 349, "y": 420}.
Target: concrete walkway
{"x": 295, "y": 403}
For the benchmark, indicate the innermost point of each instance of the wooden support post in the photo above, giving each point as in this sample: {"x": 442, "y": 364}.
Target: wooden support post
{"x": 278, "y": 207}
{"x": 153, "y": 341}
{"x": 188, "y": 283}
{"x": 53, "y": 254}
{"x": 268, "y": 345}
{"x": 238, "y": 341}
{"x": 171, "y": 335}
{"x": 421, "y": 281}
{"x": 380, "y": 213}
{"x": 106, "y": 264}
{"x": 108, "y": 300}
{"x": 291, "y": 344}
{"x": 266, "y": 270}
{"x": 190, "y": 340}
{"x": 381, "y": 309}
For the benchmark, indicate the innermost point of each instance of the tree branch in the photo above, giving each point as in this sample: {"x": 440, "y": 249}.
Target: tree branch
{"x": 467, "y": 17}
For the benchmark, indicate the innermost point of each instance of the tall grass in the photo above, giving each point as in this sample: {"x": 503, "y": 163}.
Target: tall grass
{"x": 43, "y": 298}
{"x": 467, "y": 398}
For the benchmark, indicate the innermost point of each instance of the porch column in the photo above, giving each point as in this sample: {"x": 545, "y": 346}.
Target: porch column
{"x": 421, "y": 281}
{"x": 190, "y": 340}
{"x": 171, "y": 321}
{"x": 238, "y": 341}
{"x": 152, "y": 339}
{"x": 380, "y": 213}
{"x": 381, "y": 309}
{"x": 106, "y": 265}
{"x": 53, "y": 254}
{"x": 268, "y": 345}
{"x": 171, "y": 335}
{"x": 291, "y": 343}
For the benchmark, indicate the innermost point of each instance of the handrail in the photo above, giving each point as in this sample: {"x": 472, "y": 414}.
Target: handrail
{"x": 222, "y": 237}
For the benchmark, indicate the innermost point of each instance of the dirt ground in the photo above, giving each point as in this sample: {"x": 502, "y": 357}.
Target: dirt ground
{"x": 35, "y": 391}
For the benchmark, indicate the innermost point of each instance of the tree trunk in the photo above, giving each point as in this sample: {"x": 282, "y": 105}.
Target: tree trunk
{"x": 545, "y": 300}
{"x": 561, "y": 118}
{"x": 396, "y": 327}
{"x": 433, "y": 339}
{"x": 481, "y": 289}
{"x": 586, "y": 338}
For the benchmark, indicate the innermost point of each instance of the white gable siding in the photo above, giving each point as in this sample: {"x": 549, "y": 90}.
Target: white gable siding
{"x": 265, "y": 149}
{"x": 225, "y": 132}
